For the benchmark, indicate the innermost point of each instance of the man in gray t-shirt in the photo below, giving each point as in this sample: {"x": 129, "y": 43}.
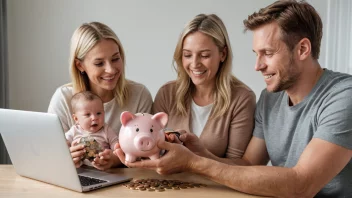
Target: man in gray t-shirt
{"x": 324, "y": 114}
{"x": 303, "y": 120}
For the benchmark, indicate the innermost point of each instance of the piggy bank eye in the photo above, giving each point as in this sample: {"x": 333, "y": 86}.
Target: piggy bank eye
{"x": 151, "y": 130}
{"x": 137, "y": 129}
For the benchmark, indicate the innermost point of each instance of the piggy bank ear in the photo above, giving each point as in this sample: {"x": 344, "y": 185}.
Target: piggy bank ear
{"x": 161, "y": 117}
{"x": 126, "y": 117}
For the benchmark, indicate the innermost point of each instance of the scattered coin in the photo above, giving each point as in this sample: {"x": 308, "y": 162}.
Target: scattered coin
{"x": 158, "y": 185}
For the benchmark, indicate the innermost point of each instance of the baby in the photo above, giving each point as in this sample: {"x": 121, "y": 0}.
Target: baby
{"x": 90, "y": 129}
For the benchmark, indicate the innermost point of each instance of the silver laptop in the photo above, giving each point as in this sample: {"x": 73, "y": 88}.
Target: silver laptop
{"x": 37, "y": 147}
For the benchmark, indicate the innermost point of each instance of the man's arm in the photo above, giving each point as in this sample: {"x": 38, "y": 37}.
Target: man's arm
{"x": 256, "y": 154}
{"x": 319, "y": 163}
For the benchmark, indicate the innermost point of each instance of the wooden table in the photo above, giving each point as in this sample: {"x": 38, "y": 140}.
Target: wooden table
{"x": 13, "y": 185}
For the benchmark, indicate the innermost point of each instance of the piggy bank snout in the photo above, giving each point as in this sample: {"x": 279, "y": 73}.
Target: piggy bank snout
{"x": 144, "y": 142}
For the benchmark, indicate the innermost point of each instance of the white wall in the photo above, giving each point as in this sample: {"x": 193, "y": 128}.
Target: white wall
{"x": 39, "y": 32}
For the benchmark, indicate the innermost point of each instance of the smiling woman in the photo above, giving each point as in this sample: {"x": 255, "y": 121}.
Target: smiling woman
{"x": 206, "y": 99}
{"x": 103, "y": 67}
{"x": 97, "y": 64}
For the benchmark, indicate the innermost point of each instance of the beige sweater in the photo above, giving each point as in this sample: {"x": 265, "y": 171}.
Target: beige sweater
{"x": 226, "y": 136}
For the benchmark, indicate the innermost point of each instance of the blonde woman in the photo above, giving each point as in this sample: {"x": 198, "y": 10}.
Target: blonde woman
{"x": 97, "y": 64}
{"x": 206, "y": 99}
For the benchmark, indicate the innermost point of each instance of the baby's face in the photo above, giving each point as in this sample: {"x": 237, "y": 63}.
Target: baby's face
{"x": 90, "y": 115}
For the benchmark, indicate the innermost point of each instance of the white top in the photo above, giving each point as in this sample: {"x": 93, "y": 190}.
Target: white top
{"x": 200, "y": 117}
{"x": 106, "y": 137}
{"x": 140, "y": 100}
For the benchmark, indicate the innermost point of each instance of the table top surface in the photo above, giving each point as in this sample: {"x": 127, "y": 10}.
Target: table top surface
{"x": 14, "y": 185}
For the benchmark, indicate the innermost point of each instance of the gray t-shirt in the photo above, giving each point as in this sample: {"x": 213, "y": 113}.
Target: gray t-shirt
{"x": 326, "y": 113}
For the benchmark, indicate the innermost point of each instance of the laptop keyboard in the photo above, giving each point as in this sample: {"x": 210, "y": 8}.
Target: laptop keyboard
{"x": 87, "y": 181}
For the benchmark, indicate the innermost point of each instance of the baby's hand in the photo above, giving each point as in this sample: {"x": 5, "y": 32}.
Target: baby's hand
{"x": 103, "y": 160}
{"x": 105, "y": 154}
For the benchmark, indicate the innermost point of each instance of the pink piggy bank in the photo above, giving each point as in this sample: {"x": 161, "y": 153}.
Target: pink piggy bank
{"x": 140, "y": 133}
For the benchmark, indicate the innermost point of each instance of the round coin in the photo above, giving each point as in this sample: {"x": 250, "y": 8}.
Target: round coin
{"x": 160, "y": 185}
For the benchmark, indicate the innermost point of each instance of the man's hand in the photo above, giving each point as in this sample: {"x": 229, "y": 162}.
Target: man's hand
{"x": 177, "y": 159}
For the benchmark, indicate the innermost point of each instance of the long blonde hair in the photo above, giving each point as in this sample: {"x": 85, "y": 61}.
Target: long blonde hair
{"x": 212, "y": 26}
{"x": 83, "y": 40}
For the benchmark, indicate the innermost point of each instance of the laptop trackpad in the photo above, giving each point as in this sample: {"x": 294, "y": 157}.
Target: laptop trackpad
{"x": 90, "y": 172}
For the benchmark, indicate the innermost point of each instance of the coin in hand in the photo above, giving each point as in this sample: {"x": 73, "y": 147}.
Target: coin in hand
{"x": 92, "y": 147}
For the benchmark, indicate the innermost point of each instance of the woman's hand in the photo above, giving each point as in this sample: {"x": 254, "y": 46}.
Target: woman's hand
{"x": 105, "y": 160}
{"x": 77, "y": 153}
{"x": 118, "y": 151}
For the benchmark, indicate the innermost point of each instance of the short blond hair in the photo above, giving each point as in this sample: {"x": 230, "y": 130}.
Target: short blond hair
{"x": 83, "y": 40}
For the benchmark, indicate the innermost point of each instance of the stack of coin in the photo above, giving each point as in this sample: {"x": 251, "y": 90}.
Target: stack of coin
{"x": 159, "y": 185}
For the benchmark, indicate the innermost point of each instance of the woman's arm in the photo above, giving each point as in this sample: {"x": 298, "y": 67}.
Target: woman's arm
{"x": 59, "y": 105}
{"x": 240, "y": 130}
